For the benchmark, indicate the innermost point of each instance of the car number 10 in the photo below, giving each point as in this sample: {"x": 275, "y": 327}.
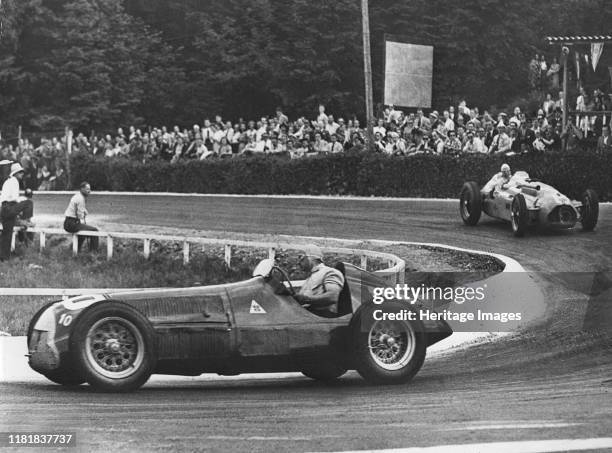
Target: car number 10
{"x": 65, "y": 319}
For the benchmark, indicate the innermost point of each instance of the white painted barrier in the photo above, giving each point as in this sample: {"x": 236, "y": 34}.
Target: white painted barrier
{"x": 397, "y": 266}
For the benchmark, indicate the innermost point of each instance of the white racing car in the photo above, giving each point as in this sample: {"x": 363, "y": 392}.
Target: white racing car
{"x": 525, "y": 202}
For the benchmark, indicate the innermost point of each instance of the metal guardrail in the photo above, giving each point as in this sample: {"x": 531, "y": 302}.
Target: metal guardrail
{"x": 393, "y": 274}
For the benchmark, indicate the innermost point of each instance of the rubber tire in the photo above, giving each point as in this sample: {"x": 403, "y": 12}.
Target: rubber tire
{"x": 519, "y": 205}
{"x": 360, "y": 326}
{"x": 78, "y": 340}
{"x": 326, "y": 372}
{"x": 470, "y": 193}
{"x": 590, "y": 199}
{"x": 63, "y": 375}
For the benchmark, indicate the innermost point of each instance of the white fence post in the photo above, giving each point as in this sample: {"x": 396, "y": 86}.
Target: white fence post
{"x": 43, "y": 240}
{"x": 272, "y": 253}
{"x": 228, "y": 255}
{"x": 13, "y": 241}
{"x": 147, "y": 248}
{"x": 75, "y": 245}
{"x": 185, "y": 252}
{"x": 364, "y": 262}
{"x": 109, "y": 247}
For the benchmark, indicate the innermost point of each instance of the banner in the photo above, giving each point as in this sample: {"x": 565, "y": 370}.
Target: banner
{"x": 596, "y": 51}
{"x": 408, "y": 74}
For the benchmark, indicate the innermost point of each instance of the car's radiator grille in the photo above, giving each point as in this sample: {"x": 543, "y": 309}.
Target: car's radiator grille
{"x": 563, "y": 214}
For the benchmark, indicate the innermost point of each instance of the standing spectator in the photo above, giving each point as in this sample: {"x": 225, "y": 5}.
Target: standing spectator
{"x": 449, "y": 124}
{"x": 604, "y": 142}
{"x": 380, "y": 128}
{"x": 474, "y": 144}
{"x": 453, "y": 144}
{"x": 12, "y": 206}
{"x": 553, "y": 74}
{"x": 501, "y": 142}
{"x": 534, "y": 72}
{"x": 76, "y": 216}
{"x": 322, "y": 116}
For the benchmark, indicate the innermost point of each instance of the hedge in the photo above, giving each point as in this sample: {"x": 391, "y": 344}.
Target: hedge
{"x": 365, "y": 174}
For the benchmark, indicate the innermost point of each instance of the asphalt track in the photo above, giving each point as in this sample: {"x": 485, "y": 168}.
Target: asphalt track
{"x": 553, "y": 382}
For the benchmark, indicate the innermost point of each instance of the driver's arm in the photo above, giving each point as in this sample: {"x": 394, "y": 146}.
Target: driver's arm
{"x": 329, "y": 297}
{"x": 332, "y": 286}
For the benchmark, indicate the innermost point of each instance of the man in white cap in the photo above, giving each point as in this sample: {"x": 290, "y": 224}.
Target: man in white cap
{"x": 12, "y": 206}
{"x": 499, "y": 180}
{"x": 321, "y": 289}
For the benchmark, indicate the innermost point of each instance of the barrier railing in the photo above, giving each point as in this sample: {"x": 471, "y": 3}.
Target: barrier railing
{"x": 393, "y": 274}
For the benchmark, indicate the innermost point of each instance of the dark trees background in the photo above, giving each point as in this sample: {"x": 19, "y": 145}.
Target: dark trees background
{"x": 99, "y": 64}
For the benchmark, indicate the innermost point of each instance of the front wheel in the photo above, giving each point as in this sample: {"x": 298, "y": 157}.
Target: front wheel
{"x": 590, "y": 210}
{"x": 519, "y": 215}
{"x": 114, "y": 347}
{"x": 387, "y": 352}
{"x": 470, "y": 203}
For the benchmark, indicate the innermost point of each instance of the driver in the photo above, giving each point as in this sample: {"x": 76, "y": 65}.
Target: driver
{"x": 499, "y": 180}
{"x": 321, "y": 290}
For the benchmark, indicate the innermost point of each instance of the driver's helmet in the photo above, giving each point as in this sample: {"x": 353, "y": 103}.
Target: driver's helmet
{"x": 505, "y": 170}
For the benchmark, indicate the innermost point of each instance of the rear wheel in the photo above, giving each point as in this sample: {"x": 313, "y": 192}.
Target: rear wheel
{"x": 519, "y": 215}
{"x": 114, "y": 347}
{"x": 470, "y": 203}
{"x": 590, "y": 210}
{"x": 387, "y": 352}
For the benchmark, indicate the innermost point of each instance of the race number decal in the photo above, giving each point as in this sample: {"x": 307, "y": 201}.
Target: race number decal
{"x": 65, "y": 320}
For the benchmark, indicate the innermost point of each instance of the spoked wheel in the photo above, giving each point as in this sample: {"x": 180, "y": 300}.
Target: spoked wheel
{"x": 391, "y": 344}
{"x": 470, "y": 203}
{"x": 519, "y": 215}
{"x": 114, "y": 347}
{"x": 590, "y": 210}
{"x": 387, "y": 352}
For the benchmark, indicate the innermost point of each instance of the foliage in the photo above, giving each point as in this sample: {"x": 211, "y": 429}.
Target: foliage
{"x": 353, "y": 174}
{"x": 100, "y": 64}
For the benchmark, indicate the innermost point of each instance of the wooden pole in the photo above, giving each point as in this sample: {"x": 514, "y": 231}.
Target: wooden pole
{"x": 565, "y": 93}
{"x": 367, "y": 70}
{"x": 68, "y": 152}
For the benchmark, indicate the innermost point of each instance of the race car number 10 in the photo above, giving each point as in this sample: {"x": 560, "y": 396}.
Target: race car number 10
{"x": 65, "y": 319}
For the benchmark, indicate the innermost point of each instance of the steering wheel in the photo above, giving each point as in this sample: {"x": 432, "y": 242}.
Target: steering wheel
{"x": 284, "y": 277}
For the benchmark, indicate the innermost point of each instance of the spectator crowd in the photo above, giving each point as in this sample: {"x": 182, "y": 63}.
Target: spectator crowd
{"x": 455, "y": 131}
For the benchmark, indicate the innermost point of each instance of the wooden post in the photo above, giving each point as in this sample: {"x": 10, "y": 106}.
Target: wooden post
{"x": 271, "y": 253}
{"x": 565, "y": 65}
{"x": 13, "y": 241}
{"x": 43, "y": 240}
{"x": 367, "y": 70}
{"x": 364, "y": 262}
{"x": 185, "y": 252}
{"x": 147, "y": 248}
{"x": 109, "y": 247}
{"x": 228, "y": 255}
{"x": 75, "y": 245}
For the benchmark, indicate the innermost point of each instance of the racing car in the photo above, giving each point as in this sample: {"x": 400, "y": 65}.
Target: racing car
{"x": 116, "y": 341}
{"x": 526, "y": 202}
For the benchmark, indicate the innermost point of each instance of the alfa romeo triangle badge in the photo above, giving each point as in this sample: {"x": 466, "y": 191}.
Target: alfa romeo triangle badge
{"x": 256, "y": 308}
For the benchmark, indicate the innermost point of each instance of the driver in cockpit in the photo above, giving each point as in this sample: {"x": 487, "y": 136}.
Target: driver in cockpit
{"x": 499, "y": 181}
{"x": 321, "y": 290}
